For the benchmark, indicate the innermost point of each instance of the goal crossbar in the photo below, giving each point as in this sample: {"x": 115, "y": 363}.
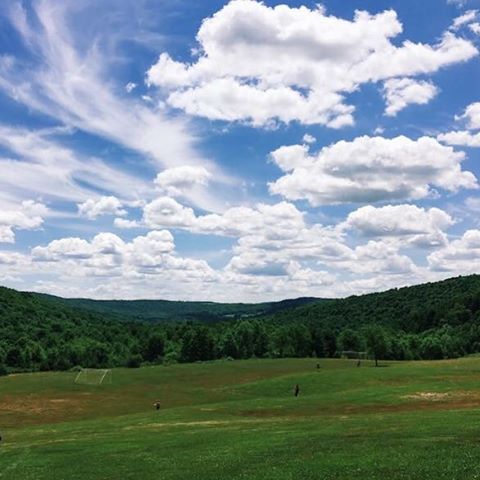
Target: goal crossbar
{"x": 353, "y": 354}
{"x": 93, "y": 376}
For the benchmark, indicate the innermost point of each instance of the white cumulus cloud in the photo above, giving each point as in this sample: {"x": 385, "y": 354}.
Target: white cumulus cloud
{"x": 167, "y": 212}
{"x": 475, "y": 28}
{"x": 460, "y": 256}
{"x": 261, "y": 64}
{"x": 471, "y": 116}
{"x": 469, "y": 137}
{"x": 307, "y": 138}
{"x": 370, "y": 169}
{"x": 179, "y": 180}
{"x": 461, "y": 138}
{"x": 29, "y": 216}
{"x": 93, "y": 208}
{"x": 420, "y": 226}
{"x": 401, "y": 92}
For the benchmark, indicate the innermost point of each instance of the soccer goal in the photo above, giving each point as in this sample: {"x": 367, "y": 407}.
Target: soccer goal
{"x": 93, "y": 376}
{"x": 353, "y": 354}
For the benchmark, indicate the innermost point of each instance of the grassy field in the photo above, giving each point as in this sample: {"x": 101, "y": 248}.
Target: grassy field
{"x": 240, "y": 420}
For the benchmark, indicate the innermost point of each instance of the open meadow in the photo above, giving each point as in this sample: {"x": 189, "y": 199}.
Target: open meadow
{"x": 240, "y": 420}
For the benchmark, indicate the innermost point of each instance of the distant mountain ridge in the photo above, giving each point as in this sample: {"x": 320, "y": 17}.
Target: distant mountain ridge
{"x": 154, "y": 311}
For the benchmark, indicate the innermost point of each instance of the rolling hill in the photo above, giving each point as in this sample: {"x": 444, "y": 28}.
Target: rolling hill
{"x": 165, "y": 310}
{"x": 430, "y": 321}
{"x": 411, "y": 309}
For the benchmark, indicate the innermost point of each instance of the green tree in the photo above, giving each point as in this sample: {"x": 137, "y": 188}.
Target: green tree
{"x": 155, "y": 347}
{"x": 377, "y": 342}
{"x": 350, "y": 340}
{"x": 329, "y": 343}
{"x": 228, "y": 345}
{"x": 245, "y": 339}
{"x": 282, "y": 343}
{"x": 300, "y": 340}
{"x": 431, "y": 348}
{"x": 197, "y": 345}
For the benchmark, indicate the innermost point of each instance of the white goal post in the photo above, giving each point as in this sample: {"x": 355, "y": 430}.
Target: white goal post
{"x": 94, "y": 376}
{"x": 353, "y": 354}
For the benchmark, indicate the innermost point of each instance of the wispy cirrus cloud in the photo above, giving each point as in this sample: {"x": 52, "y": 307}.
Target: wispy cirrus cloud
{"x": 37, "y": 165}
{"x": 72, "y": 81}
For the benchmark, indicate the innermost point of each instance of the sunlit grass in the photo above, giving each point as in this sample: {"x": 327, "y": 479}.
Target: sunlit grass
{"x": 240, "y": 420}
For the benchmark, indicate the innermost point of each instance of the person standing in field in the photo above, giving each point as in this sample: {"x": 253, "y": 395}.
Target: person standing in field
{"x": 296, "y": 390}
{"x": 157, "y": 405}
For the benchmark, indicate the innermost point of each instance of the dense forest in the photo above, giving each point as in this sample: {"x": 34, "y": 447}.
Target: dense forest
{"x": 154, "y": 311}
{"x": 431, "y": 321}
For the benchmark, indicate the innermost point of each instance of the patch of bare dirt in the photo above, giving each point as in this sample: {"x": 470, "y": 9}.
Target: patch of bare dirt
{"x": 36, "y": 409}
{"x": 431, "y": 396}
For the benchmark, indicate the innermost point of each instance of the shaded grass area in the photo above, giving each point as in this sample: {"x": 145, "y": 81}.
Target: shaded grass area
{"x": 239, "y": 420}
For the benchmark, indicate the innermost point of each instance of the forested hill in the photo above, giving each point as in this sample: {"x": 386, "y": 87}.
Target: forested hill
{"x": 41, "y": 332}
{"x": 411, "y": 309}
{"x": 153, "y": 311}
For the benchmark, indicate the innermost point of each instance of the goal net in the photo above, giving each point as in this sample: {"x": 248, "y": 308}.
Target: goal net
{"x": 353, "y": 354}
{"x": 93, "y": 376}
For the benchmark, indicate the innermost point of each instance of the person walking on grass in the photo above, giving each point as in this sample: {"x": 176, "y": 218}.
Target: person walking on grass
{"x": 296, "y": 390}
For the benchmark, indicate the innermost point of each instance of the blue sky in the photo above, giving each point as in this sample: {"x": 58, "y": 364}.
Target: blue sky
{"x": 238, "y": 151}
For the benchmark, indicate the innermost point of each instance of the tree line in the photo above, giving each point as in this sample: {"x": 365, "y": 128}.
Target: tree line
{"x": 433, "y": 321}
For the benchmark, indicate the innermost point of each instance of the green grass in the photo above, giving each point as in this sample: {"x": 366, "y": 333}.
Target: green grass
{"x": 239, "y": 420}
